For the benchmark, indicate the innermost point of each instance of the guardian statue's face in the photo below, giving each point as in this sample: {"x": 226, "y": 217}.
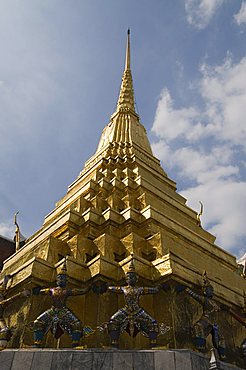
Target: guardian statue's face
{"x": 61, "y": 280}
{"x": 131, "y": 278}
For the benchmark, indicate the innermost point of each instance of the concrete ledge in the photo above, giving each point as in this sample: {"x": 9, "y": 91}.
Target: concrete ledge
{"x": 104, "y": 359}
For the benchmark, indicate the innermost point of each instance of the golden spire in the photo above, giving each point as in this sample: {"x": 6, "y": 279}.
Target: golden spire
{"x": 125, "y": 129}
{"x": 126, "y": 97}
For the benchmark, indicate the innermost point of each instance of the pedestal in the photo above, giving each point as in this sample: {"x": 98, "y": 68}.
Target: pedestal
{"x": 104, "y": 359}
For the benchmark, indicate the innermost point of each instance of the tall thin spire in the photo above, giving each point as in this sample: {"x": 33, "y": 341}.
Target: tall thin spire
{"x": 126, "y": 97}
{"x": 128, "y": 55}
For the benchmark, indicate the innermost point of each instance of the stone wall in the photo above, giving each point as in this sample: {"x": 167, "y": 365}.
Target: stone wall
{"x": 105, "y": 359}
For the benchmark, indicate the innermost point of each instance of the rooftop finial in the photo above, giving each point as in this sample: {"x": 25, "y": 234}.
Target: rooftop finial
{"x": 127, "y": 66}
{"x": 19, "y": 238}
{"x": 198, "y": 217}
{"x": 17, "y": 232}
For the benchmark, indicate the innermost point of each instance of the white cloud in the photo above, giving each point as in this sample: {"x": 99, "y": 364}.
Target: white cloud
{"x": 200, "y": 12}
{"x": 240, "y": 17}
{"x": 223, "y": 89}
{"x": 204, "y": 143}
{"x": 224, "y": 208}
{"x": 180, "y": 120}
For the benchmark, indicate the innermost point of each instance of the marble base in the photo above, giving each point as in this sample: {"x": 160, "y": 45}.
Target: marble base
{"x": 104, "y": 359}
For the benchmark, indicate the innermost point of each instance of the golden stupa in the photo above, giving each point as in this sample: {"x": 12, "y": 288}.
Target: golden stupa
{"x": 123, "y": 202}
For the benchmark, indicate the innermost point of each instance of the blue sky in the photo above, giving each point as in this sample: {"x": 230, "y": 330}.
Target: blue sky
{"x": 60, "y": 72}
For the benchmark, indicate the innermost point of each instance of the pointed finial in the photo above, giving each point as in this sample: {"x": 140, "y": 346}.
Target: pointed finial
{"x": 17, "y": 232}
{"x": 128, "y": 56}
{"x": 200, "y": 214}
{"x": 18, "y": 238}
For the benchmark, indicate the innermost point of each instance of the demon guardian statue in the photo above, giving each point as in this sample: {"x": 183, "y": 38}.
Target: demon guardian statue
{"x": 59, "y": 318}
{"x": 132, "y": 318}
